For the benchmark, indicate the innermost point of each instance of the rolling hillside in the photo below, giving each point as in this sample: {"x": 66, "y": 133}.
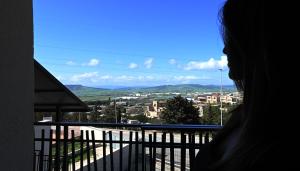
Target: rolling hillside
{"x": 90, "y": 93}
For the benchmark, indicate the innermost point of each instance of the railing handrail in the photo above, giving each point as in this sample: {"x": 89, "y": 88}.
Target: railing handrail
{"x": 142, "y": 126}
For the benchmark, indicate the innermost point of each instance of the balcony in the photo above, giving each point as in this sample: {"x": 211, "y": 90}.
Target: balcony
{"x": 118, "y": 147}
{"x": 98, "y": 146}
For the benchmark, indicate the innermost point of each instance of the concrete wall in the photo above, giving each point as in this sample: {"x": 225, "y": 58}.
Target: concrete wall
{"x": 16, "y": 85}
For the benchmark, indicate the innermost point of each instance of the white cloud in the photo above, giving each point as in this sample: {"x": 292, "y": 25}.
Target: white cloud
{"x": 105, "y": 77}
{"x": 148, "y": 63}
{"x": 100, "y": 78}
{"x": 93, "y": 62}
{"x": 96, "y": 78}
{"x": 124, "y": 78}
{"x": 145, "y": 78}
{"x": 132, "y": 65}
{"x": 210, "y": 64}
{"x": 71, "y": 63}
{"x": 172, "y": 61}
{"x": 149, "y": 77}
{"x": 189, "y": 78}
{"x": 88, "y": 75}
{"x": 223, "y": 62}
{"x": 185, "y": 78}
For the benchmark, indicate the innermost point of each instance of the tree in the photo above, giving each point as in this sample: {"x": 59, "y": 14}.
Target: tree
{"x": 109, "y": 115}
{"x": 141, "y": 118}
{"x": 180, "y": 110}
{"x": 212, "y": 114}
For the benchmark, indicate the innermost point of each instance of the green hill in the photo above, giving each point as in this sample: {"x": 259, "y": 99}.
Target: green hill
{"x": 184, "y": 88}
{"x": 91, "y": 93}
{"x": 81, "y": 87}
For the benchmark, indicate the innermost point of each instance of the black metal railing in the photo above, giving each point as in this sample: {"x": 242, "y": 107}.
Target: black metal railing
{"x": 118, "y": 147}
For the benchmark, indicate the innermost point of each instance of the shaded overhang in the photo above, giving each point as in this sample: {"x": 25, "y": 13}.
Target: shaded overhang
{"x": 51, "y": 95}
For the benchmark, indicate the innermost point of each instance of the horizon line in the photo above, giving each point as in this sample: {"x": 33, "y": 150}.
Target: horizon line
{"x": 98, "y": 86}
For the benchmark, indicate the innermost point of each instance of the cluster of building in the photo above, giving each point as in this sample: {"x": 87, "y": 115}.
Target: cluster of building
{"x": 200, "y": 101}
{"x": 153, "y": 108}
{"x": 216, "y": 98}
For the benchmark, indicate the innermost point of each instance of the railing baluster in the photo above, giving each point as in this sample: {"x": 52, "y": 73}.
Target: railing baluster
{"x": 121, "y": 151}
{"x": 34, "y": 158}
{"x": 189, "y": 147}
{"x": 130, "y": 150}
{"x": 111, "y": 152}
{"x": 183, "y": 148}
{"x": 88, "y": 150}
{"x": 172, "y": 151}
{"x": 200, "y": 138}
{"x": 143, "y": 150}
{"x": 57, "y": 148}
{"x": 41, "y": 164}
{"x": 154, "y": 152}
{"x": 104, "y": 150}
{"x": 136, "y": 151}
{"x": 206, "y": 139}
{"x": 163, "y": 152}
{"x": 94, "y": 151}
{"x": 150, "y": 152}
{"x": 50, "y": 151}
{"x": 81, "y": 150}
{"x": 73, "y": 150}
{"x": 65, "y": 156}
{"x": 38, "y": 160}
{"x": 192, "y": 149}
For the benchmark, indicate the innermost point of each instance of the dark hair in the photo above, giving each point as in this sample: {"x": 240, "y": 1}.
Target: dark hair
{"x": 255, "y": 69}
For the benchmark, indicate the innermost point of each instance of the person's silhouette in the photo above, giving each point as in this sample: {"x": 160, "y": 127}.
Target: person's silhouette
{"x": 260, "y": 134}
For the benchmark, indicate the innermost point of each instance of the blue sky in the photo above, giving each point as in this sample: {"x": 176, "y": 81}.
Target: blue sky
{"x": 130, "y": 42}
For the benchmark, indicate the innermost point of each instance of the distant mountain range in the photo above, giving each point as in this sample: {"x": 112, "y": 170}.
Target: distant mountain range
{"x": 157, "y": 89}
{"x": 181, "y": 88}
{"x": 81, "y": 87}
{"x": 92, "y": 93}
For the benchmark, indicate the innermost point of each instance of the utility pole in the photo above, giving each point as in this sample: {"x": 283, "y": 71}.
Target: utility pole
{"x": 221, "y": 94}
{"x": 115, "y": 106}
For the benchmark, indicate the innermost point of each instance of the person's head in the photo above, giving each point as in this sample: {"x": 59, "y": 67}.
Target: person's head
{"x": 243, "y": 28}
{"x": 254, "y": 66}
{"x": 247, "y": 46}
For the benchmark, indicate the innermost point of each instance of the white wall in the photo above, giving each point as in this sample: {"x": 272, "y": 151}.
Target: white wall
{"x": 38, "y": 134}
{"x": 97, "y": 132}
{"x": 16, "y": 85}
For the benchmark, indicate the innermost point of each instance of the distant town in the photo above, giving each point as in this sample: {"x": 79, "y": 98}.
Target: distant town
{"x": 138, "y": 106}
